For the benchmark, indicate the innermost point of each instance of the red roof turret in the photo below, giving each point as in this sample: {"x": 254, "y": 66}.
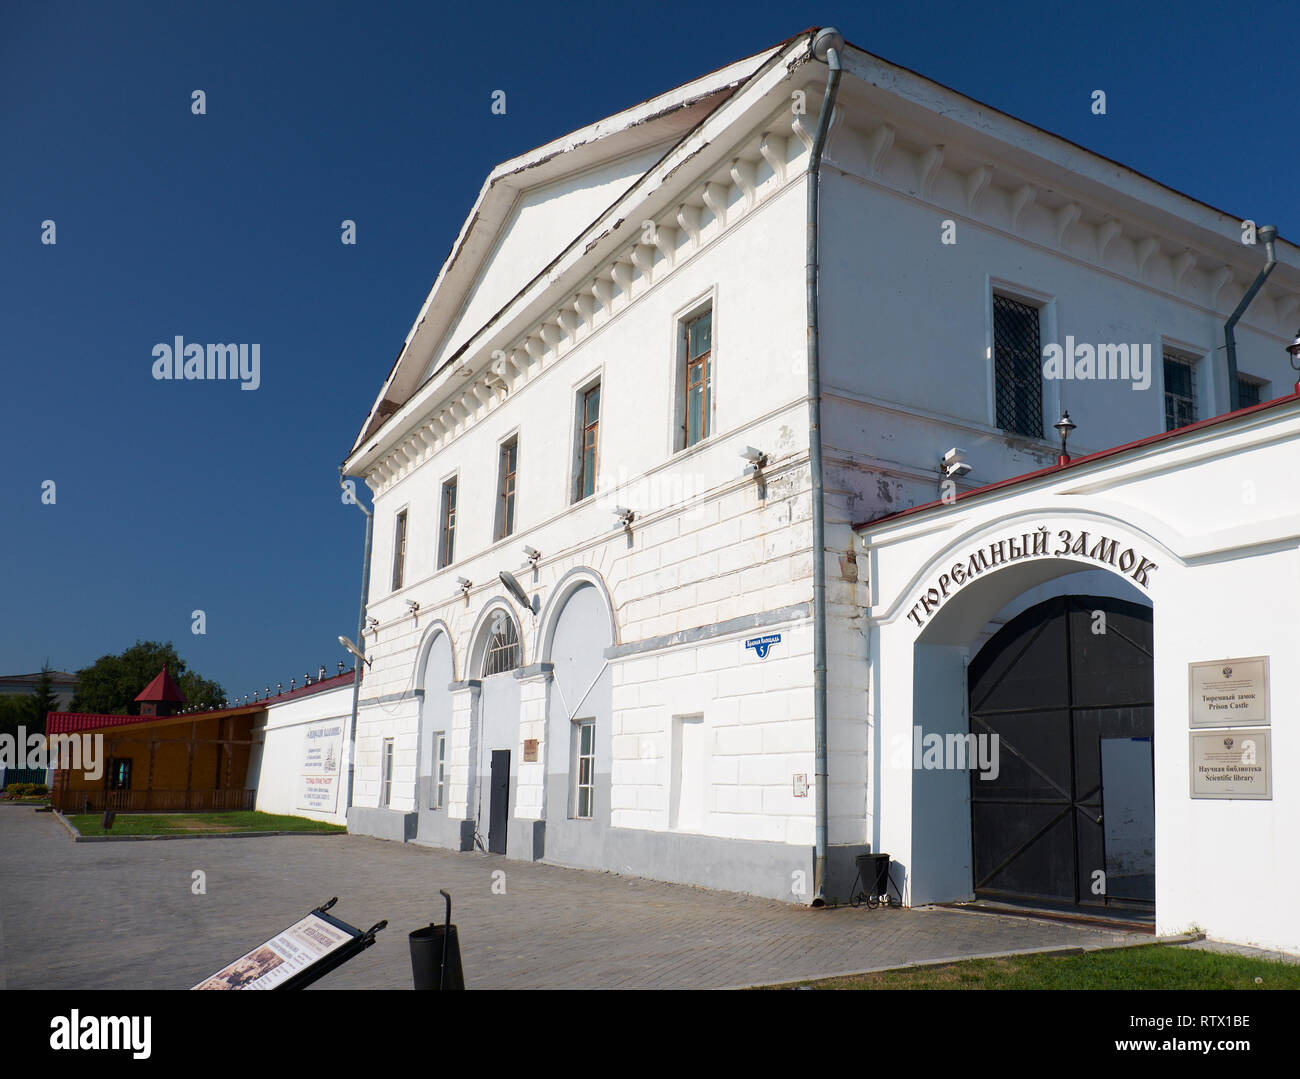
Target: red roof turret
{"x": 162, "y": 688}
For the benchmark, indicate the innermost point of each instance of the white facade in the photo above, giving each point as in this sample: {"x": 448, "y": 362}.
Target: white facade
{"x": 583, "y": 262}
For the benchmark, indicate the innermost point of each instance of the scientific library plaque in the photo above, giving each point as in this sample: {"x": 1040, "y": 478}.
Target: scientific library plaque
{"x": 1228, "y": 693}
{"x": 1232, "y": 764}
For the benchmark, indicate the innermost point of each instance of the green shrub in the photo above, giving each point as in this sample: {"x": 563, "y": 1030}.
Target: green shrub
{"x": 26, "y": 790}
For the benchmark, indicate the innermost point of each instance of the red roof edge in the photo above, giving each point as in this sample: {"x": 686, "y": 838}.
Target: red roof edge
{"x": 1163, "y": 436}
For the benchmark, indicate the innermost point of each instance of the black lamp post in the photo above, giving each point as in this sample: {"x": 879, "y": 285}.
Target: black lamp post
{"x": 1063, "y": 428}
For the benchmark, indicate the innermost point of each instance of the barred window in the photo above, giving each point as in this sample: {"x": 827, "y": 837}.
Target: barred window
{"x": 1180, "y": 392}
{"x": 1249, "y": 391}
{"x": 503, "y": 646}
{"x": 1017, "y": 367}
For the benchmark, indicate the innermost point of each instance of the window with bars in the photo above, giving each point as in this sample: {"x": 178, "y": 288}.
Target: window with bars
{"x": 508, "y": 468}
{"x": 447, "y": 539}
{"x": 1017, "y": 367}
{"x": 399, "y": 550}
{"x": 1180, "y": 392}
{"x": 588, "y": 431}
{"x": 502, "y": 652}
{"x": 698, "y": 381}
{"x": 584, "y": 768}
{"x": 1250, "y": 391}
{"x": 439, "y": 770}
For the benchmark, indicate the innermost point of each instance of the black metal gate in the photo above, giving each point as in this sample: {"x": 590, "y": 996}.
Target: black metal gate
{"x": 499, "y": 801}
{"x": 1066, "y": 686}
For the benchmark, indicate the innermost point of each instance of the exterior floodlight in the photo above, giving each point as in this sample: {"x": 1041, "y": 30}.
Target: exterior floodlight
{"x": 625, "y": 516}
{"x": 954, "y": 463}
{"x": 516, "y": 589}
{"x": 346, "y": 643}
{"x": 1063, "y": 428}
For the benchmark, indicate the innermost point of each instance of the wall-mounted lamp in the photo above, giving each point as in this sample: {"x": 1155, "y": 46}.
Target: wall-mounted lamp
{"x": 1063, "y": 428}
{"x": 346, "y": 643}
{"x": 516, "y": 589}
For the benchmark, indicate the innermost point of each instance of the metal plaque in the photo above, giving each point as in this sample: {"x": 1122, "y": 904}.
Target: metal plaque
{"x": 1234, "y": 763}
{"x": 1228, "y": 693}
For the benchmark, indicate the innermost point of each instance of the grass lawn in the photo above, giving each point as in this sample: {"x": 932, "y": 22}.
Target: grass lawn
{"x": 1158, "y": 966}
{"x": 198, "y": 823}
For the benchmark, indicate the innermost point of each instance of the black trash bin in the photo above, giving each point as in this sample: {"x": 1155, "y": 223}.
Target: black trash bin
{"x": 873, "y": 871}
{"x": 435, "y": 955}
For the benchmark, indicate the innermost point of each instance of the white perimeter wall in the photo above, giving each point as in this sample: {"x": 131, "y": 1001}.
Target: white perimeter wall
{"x": 278, "y": 749}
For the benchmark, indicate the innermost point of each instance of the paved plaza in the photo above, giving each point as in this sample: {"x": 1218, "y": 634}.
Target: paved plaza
{"x": 121, "y": 915}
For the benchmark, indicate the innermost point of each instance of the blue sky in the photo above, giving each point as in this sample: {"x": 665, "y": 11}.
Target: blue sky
{"x": 173, "y": 497}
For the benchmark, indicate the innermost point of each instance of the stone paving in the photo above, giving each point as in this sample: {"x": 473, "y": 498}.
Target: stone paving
{"x": 122, "y": 916}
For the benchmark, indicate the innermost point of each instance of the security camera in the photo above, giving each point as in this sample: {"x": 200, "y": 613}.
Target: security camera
{"x": 954, "y": 463}
{"x": 464, "y": 583}
{"x": 532, "y": 554}
{"x": 412, "y": 605}
{"x": 753, "y": 456}
{"x": 372, "y": 622}
{"x": 625, "y": 516}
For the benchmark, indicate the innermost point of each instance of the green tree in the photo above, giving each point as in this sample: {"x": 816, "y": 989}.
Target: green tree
{"x": 16, "y": 712}
{"x": 110, "y": 685}
{"x": 43, "y": 700}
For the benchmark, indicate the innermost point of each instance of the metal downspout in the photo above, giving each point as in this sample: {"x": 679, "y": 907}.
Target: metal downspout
{"x": 358, "y": 664}
{"x": 826, "y": 45}
{"x": 1267, "y": 233}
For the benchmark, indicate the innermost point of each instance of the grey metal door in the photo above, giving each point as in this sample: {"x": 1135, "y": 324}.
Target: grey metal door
{"x": 499, "y": 801}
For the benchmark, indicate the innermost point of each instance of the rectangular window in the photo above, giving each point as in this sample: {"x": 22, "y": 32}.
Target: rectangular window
{"x": 584, "y": 768}
{"x": 1250, "y": 391}
{"x": 699, "y": 377}
{"x": 1017, "y": 367}
{"x": 439, "y": 770}
{"x": 399, "y": 551}
{"x": 119, "y": 774}
{"x": 588, "y": 430}
{"x": 1180, "y": 392}
{"x": 686, "y": 805}
{"x": 447, "y": 539}
{"x": 506, "y": 485}
{"x": 386, "y": 773}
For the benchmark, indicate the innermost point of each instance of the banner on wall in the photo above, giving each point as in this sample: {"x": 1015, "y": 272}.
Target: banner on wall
{"x": 322, "y": 751}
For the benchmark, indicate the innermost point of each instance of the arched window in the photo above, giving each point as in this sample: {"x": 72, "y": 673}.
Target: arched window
{"x": 502, "y": 652}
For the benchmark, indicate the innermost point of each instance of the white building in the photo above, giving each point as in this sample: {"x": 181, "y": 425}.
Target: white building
{"x": 607, "y": 394}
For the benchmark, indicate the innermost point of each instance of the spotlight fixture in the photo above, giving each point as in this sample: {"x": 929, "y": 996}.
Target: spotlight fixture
{"x": 352, "y": 649}
{"x": 625, "y": 516}
{"x": 516, "y": 589}
{"x": 954, "y": 463}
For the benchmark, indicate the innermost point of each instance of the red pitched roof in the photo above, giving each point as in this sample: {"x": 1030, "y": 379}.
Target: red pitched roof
{"x": 72, "y": 722}
{"x": 162, "y": 688}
